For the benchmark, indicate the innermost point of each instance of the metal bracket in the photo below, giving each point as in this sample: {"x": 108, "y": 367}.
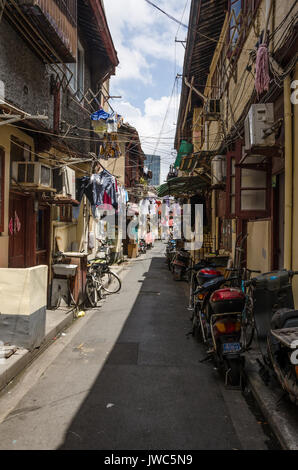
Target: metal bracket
{"x": 11, "y": 118}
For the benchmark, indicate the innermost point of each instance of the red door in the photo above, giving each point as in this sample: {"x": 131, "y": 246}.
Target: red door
{"x": 17, "y": 231}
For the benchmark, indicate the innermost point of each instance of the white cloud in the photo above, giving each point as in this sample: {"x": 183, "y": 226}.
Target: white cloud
{"x": 149, "y": 125}
{"x": 142, "y": 35}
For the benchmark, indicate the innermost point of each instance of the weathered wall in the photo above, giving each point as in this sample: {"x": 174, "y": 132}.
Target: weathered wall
{"x": 241, "y": 84}
{"x": 295, "y": 198}
{"x": 26, "y": 84}
{"x": 23, "y": 299}
{"x": 5, "y": 134}
{"x": 116, "y": 166}
{"x": 259, "y": 245}
{"x": 26, "y": 81}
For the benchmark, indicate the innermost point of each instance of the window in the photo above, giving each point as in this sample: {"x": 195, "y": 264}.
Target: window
{"x": 235, "y": 22}
{"x": 253, "y": 187}
{"x": 77, "y": 80}
{"x": 65, "y": 212}
{"x": 248, "y": 186}
{"x": 242, "y": 13}
{"x": 2, "y": 173}
{"x": 19, "y": 150}
{"x": 225, "y": 235}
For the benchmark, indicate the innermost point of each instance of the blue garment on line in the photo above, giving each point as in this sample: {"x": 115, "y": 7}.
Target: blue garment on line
{"x": 100, "y": 114}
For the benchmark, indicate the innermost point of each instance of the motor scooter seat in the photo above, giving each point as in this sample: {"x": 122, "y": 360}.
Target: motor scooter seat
{"x": 209, "y": 286}
{"x": 284, "y": 318}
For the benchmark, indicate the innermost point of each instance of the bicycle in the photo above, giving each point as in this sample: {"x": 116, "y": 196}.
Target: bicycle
{"x": 104, "y": 250}
{"x": 242, "y": 275}
{"x": 100, "y": 278}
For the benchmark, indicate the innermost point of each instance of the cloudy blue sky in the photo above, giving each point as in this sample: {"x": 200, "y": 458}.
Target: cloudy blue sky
{"x": 149, "y": 61}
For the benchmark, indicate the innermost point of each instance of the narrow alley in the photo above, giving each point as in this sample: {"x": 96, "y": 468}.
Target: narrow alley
{"x": 129, "y": 378}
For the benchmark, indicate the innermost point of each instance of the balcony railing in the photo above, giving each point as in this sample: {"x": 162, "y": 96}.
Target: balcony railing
{"x": 51, "y": 21}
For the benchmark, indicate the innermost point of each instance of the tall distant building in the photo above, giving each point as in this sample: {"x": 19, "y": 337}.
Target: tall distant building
{"x": 152, "y": 162}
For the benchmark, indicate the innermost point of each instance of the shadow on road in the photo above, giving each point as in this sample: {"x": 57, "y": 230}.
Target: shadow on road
{"x": 152, "y": 392}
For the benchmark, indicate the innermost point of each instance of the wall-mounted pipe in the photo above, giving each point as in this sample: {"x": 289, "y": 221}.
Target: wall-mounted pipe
{"x": 288, "y": 174}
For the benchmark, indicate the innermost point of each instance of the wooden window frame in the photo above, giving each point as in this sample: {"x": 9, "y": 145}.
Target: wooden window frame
{"x": 246, "y": 7}
{"x": 254, "y": 214}
{"x": 225, "y": 240}
{"x": 2, "y": 188}
{"x": 67, "y": 217}
{"x": 239, "y": 213}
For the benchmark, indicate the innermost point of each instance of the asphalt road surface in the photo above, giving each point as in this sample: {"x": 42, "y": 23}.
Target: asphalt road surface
{"x": 126, "y": 376}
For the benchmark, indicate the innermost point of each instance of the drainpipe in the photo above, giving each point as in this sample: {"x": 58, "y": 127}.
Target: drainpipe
{"x": 86, "y": 227}
{"x": 213, "y": 209}
{"x": 288, "y": 174}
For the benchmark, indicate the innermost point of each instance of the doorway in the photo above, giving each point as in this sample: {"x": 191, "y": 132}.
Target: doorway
{"x": 278, "y": 225}
{"x": 17, "y": 231}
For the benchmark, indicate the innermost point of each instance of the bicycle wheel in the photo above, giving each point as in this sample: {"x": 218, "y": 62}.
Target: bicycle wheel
{"x": 110, "y": 282}
{"x": 248, "y": 326}
{"x": 92, "y": 291}
{"x": 248, "y": 331}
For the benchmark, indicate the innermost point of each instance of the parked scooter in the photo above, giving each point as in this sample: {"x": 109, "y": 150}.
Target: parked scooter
{"x": 224, "y": 316}
{"x": 142, "y": 246}
{"x": 207, "y": 280}
{"x": 276, "y": 323}
{"x": 220, "y": 325}
{"x": 180, "y": 264}
{"x": 170, "y": 252}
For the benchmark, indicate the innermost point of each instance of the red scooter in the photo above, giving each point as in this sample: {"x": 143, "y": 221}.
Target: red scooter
{"x": 220, "y": 321}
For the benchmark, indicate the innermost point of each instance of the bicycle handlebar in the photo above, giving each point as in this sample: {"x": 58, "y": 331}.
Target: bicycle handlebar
{"x": 252, "y": 282}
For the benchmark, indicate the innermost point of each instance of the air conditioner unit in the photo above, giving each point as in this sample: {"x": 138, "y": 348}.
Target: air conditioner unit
{"x": 213, "y": 110}
{"x": 64, "y": 181}
{"x": 32, "y": 173}
{"x": 218, "y": 170}
{"x": 260, "y": 118}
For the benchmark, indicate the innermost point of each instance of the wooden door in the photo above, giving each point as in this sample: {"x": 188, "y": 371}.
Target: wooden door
{"x": 42, "y": 235}
{"x": 17, "y": 231}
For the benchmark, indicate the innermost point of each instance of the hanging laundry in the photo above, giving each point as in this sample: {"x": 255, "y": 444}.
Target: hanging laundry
{"x": 99, "y": 121}
{"x": 17, "y": 223}
{"x": 104, "y": 189}
{"x": 262, "y": 80}
{"x": 84, "y": 186}
{"x": 100, "y": 114}
{"x": 144, "y": 206}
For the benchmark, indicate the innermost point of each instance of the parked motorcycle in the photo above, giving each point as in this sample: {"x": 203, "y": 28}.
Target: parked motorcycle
{"x": 200, "y": 273}
{"x": 219, "y": 318}
{"x": 200, "y": 326}
{"x": 142, "y": 246}
{"x": 224, "y": 316}
{"x": 204, "y": 271}
{"x": 180, "y": 264}
{"x": 276, "y": 323}
{"x": 170, "y": 252}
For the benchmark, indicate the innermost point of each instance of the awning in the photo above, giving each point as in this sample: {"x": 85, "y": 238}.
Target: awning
{"x": 185, "y": 149}
{"x": 182, "y": 185}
